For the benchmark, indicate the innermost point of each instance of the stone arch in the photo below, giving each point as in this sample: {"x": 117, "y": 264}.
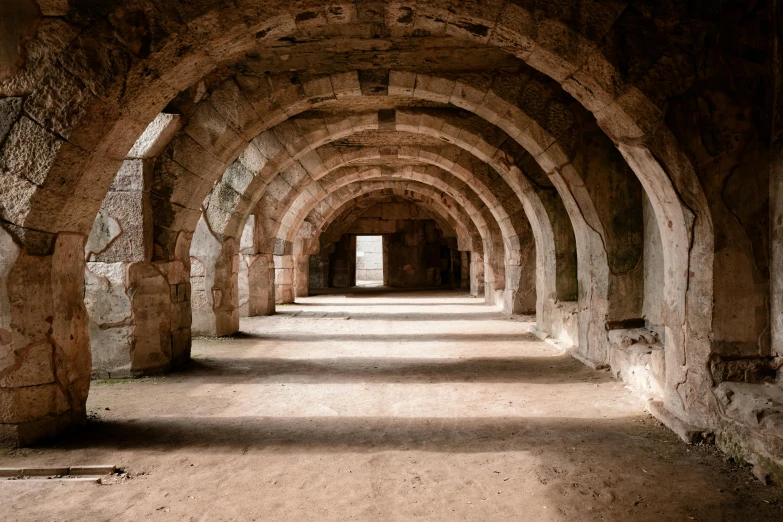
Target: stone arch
{"x": 535, "y": 137}
{"x": 449, "y": 221}
{"x": 460, "y": 208}
{"x": 464, "y": 210}
{"x": 133, "y": 85}
{"x": 346, "y": 199}
{"x": 245, "y": 175}
{"x": 241, "y": 179}
{"x": 218, "y": 254}
{"x": 304, "y": 164}
{"x": 550, "y": 154}
{"x": 222, "y": 317}
{"x": 139, "y": 315}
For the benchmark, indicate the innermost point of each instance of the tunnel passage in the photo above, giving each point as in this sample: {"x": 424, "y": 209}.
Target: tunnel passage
{"x": 405, "y": 245}
{"x": 611, "y": 168}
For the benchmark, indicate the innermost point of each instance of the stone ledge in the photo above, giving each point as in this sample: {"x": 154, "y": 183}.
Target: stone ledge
{"x": 751, "y": 425}
{"x": 595, "y": 365}
{"x": 629, "y": 336}
{"x": 757, "y": 405}
{"x": 43, "y": 472}
{"x": 688, "y": 433}
{"x": 571, "y": 350}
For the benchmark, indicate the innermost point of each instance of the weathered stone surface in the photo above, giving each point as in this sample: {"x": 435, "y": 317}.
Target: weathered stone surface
{"x": 615, "y": 147}
{"x": 10, "y": 109}
{"x": 687, "y": 432}
{"x": 752, "y": 424}
{"x": 156, "y": 136}
{"x": 151, "y": 348}
{"x": 214, "y": 272}
{"x": 284, "y": 278}
{"x": 122, "y": 231}
{"x": 105, "y": 229}
{"x": 261, "y": 283}
{"x": 10, "y": 254}
{"x": 34, "y": 368}
{"x": 29, "y": 151}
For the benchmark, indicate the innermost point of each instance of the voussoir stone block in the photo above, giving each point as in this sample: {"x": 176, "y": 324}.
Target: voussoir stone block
{"x": 156, "y": 136}
{"x": 10, "y": 109}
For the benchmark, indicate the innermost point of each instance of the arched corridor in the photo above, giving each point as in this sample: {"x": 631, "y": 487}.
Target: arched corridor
{"x": 389, "y": 405}
{"x": 605, "y": 173}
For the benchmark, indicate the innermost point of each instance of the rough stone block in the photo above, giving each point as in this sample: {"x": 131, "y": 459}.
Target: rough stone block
{"x": 346, "y": 84}
{"x": 30, "y": 403}
{"x": 284, "y": 293}
{"x": 211, "y": 131}
{"x": 635, "y": 365}
{"x": 111, "y": 351}
{"x": 156, "y": 136}
{"x": 230, "y": 102}
{"x": 284, "y": 276}
{"x": 283, "y": 262}
{"x": 29, "y": 151}
{"x": 10, "y": 109}
{"x": 401, "y": 83}
{"x": 688, "y": 433}
{"x": 34, "y": 367}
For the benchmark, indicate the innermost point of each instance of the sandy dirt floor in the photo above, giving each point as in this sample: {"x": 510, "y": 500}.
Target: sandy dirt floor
{"x": 383, "y": 406}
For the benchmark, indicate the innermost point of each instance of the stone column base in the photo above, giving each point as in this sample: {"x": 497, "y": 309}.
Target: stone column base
{"x": 44, "y": 341}
{"x": 139, "y": 317}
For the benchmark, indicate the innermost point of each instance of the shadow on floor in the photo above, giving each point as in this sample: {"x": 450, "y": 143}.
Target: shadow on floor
{"x": 361, "y": 434}
{"x": 381, "y": 338}
{"x": 549, "y": 370}
{"x": 358, "y": 291}
{"x": 488, "y": 315}
{"x": 618, "y": 469}
{"x": 390, "y": 303}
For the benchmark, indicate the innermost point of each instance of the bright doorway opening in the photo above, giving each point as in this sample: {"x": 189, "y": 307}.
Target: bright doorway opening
{"x": 369, "y": 260}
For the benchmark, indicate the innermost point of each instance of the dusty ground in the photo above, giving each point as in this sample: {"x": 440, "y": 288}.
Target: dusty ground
{"x": 378, "y": 406}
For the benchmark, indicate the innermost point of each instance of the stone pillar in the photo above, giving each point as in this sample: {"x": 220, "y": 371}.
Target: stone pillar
{"x": 246, "y": 250}
{"x": 465, "y": 271}
{"x": 302, "y": 276}
{"x": 161, "y": 316}
{"x": 284, "y": 279}
{"x": 139, "y": 310}
{"x": 519, "y": 296}
{"x": 225, "y": 290}
{"x": 498, "y": 286}
{"x": 44, "y": 337}
{"x": 776, "y": 273}
{"x": 261, "y": 285}
{"x": 214, "y": 273}
{"x": 477, "y": 283}
{"x": 140, "y": 317}
{"x": 243, "y": 286}
{"x": 493, "y": 288}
